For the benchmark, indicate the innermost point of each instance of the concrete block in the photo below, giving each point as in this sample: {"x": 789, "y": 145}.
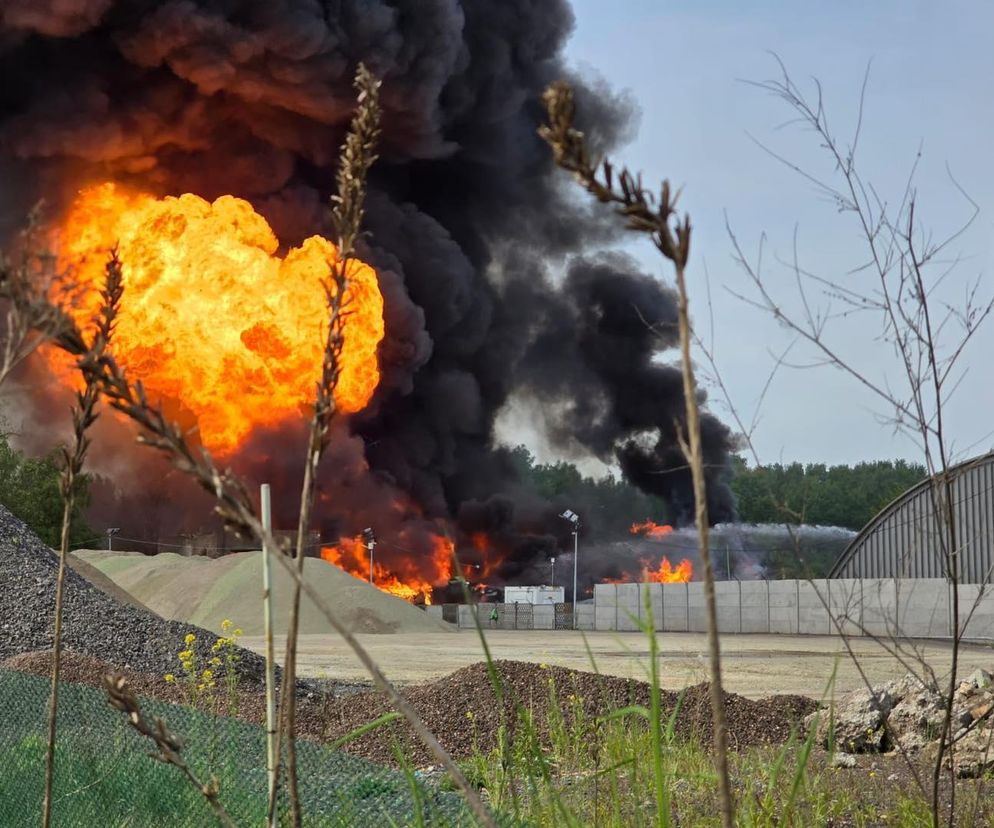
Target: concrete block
{"x": 845, "y": 600}
{"x": 585, "y": 616}
{"x": 880, "y": 606}
{"x": 696, "y": 609}
{"x": 976, "y": 612}
{"x": 629, "y": 615}
{"x": 726, "y": 597}
{"x": 605, "y": 618}
{"x": 466, "y": 614}
{"x": 783, "y": 597}
{"x": 605, "y": 595}
{"x": 655, "y": 595}
{"x": 674, "y": 598}
{"x": 923, "y": 607}
{"x": 754, "y": 603}
{"x": 755, "y": 619}
{"x": 543, "y": 618}
{"x": 812, "y": 613}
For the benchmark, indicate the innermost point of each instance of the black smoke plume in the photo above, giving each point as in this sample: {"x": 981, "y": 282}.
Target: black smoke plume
{"x": 465, "y": 219}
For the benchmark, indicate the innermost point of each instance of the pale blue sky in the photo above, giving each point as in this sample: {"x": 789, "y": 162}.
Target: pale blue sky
{"x": 930, "y": 81}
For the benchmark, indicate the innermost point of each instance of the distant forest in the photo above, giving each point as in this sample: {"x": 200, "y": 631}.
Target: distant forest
{"x": 845, "y": 496}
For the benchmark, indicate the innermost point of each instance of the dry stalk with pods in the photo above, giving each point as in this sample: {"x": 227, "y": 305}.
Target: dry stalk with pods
{"x": 26, "y": 318}
{"x": 168, "y": 746}
{"x": 901, "y": 284}
{"x": 357, "y": 155}
{"x": 232, "y": 503}
{"x": 84, "y": 414}
{"x": 671, "y": 236}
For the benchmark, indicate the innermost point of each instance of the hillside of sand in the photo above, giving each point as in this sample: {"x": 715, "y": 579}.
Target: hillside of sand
{"x": 205, "y": 591}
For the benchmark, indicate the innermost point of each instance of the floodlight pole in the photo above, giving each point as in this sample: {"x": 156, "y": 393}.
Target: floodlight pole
{"x": 553, "y": 573}
{"x": 576, "y": 557}
{"x": 370, "y": 539}
{"x": 267, "y": 621}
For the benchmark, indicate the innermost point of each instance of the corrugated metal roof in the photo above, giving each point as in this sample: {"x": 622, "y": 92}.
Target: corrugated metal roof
{"x": 906, "y": 541}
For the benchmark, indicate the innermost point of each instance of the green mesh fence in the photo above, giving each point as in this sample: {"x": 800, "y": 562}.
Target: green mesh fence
{"x": 104, "y": 776}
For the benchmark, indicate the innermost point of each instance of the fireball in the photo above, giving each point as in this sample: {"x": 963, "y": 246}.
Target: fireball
{"x": 213, "y": 321}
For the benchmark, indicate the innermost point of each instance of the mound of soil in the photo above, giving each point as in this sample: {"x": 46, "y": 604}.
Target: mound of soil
{"x": 94, "y": 623}
{"x": 463, "y": 706}
{"x": 204, "y": 591}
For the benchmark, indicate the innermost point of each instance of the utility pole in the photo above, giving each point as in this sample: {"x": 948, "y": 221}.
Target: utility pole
{"x": 110, "y": 538}
{"x": 267, "y": 622}
{"x": 369, "y": 540}
{"x": 553, "y": 569}
{"x": 576, "y": 557}
{"x": 574, "y": 518}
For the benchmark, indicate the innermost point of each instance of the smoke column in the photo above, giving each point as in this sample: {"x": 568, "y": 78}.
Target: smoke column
{"x": 465, "y": 215}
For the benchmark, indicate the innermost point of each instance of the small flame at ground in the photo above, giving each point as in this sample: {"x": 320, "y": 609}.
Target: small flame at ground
{"x": 352, "y": 556}
{"x": 651, "y": 529}
{"x": 666, "y": 573}
{"x": 213, "y": 321}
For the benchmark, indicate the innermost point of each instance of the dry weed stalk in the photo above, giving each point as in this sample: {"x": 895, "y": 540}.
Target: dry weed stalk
{"x": 671, "y": 236}
{"x": 28, "y": 319}
{"x": 357, "y": 155}
{"x": 84, "y": 414}
{"x": 169, "y": 747}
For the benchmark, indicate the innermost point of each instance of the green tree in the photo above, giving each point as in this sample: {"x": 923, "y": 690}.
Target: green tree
{"x": 29, "y": 488}
{"x": 846, "y": 496}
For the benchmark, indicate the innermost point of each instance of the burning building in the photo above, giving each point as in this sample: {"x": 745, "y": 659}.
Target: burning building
{"x": 200, "y": 138}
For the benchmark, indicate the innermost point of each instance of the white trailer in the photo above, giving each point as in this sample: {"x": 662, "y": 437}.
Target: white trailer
{"x": 535, "y": 595}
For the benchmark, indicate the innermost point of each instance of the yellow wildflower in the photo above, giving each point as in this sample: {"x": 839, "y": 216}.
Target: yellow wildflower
{"x": 190, "y": 638}
{"x": 218, "y": 645}
{"x": 216, "y": 661}
{"x": 170, "y": 678}
{"x": 237, "y": 632}
{"x": 185, "y": 655}
{"x": 226, "y": 624}
{"x": 208, "y": 675}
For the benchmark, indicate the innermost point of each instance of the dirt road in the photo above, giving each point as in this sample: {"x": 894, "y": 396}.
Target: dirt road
{"x": 754, "y": 665}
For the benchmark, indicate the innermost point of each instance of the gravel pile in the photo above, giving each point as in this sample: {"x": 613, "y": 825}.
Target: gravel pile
{"x": 463, "y": 706}
{"x": 94, "y": 623}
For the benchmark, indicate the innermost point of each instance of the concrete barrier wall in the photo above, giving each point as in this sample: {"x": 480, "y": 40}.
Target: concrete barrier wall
{"x": 915, "y": 608}
{"x": 521, "y": 616}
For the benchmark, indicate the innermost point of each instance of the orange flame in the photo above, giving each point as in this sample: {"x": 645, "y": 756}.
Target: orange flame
{"x": 666, "y": 573}
{"x": 412, "y": 584}
{"x": 213, "y": 321}
{"x": 651, "y": 529}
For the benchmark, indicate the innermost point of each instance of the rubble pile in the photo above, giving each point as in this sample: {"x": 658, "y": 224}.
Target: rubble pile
{"x": 907, "y": 715}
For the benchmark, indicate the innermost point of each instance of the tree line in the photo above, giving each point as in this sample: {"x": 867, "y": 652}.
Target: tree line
{"x": 847, "y": 496}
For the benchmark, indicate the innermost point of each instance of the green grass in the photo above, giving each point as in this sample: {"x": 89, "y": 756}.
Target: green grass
{"x": 104, "y": 777}
{"x": 627, "y": 769}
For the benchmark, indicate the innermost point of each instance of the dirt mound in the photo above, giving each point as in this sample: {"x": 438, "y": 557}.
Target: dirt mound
{"x": 463, "y": 706}
{"x": 94, "y": 623}
{"x": 206, "y": 591}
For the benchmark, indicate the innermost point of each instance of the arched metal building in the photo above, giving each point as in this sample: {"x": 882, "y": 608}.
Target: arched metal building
{"x": 903, "y": 540}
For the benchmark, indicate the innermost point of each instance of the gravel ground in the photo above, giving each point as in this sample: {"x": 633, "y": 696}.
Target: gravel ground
{"x": 444, "y": 705}
{"x": 327, "y": 713}
{"x": 94, "y": 623}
